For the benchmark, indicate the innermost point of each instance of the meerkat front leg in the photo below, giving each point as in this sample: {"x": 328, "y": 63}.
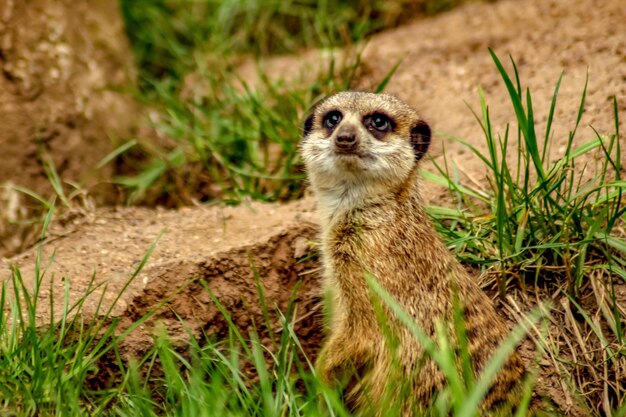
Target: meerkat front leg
{"x": 341, "y": 358}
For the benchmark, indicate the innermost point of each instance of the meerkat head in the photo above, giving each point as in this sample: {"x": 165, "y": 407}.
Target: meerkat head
{"x": 356, "y": 139}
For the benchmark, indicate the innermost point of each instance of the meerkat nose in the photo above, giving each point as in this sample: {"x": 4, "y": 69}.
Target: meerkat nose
{"x": 346, "y": 138}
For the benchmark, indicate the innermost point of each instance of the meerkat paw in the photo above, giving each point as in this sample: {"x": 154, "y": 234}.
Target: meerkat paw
{"x": 340, "y": 359}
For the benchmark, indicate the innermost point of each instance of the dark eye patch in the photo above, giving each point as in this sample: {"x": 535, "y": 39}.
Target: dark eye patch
{"x": 332, "y": 119}
{"x": 378, "y": 124}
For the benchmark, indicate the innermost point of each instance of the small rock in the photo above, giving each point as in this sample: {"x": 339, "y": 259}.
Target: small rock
{"x": 300, "y": 247}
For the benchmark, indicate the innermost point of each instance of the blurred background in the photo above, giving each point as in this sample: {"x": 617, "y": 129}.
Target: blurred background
{"x": 167, "y": 102}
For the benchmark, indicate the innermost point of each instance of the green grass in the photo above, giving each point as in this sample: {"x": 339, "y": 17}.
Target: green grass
{"x": 168, "y": 37}
{"x": 221, "y": 138}
{"x": 42, "y": 365}
{"x": 537, "y": 219}
{"x": 231, "y": 144}
{"x": 550, "y": 224}
{"x": 45, "y": 367}
{"x": 50, "y": 368}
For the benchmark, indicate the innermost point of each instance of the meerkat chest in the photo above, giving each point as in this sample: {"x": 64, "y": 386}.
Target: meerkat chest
{"x": 360, "y": 239}
{"x": 359, "y": 230}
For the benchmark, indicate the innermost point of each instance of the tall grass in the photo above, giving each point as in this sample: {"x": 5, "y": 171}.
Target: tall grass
{"x": 551, "y": 223}
{"x": 206, "y": 379}
{"x": 221, "y": 138}
{"x": 49, "y": 368}
{"x": 41, "y": 368}
{"x": 45, "y": 365}
{"x": 538, "y": 219}
{"x": 232, "y": 143}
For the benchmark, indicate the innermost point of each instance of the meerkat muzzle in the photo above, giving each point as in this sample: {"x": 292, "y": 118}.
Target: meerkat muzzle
{"x": 346, "y": 139}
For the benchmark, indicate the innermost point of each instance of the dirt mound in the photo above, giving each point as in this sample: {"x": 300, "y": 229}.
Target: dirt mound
{"x": 224, "y": 247}
{"x": 59, "y": 65}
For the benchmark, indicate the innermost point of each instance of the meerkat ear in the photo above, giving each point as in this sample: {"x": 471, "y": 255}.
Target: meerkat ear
{"x": 420, "y": 139}
{"x": 308, "y": 125}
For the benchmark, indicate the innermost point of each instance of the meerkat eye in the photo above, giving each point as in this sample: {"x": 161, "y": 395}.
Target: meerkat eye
{"x": 332, "y": 119}
{"x": 380, "y": 122}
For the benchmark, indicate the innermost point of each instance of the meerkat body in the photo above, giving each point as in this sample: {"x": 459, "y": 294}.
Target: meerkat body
{"x": 361, "y": 152}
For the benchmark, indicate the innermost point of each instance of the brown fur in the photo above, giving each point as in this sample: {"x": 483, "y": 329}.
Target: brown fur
{"x": 373, "y": 222}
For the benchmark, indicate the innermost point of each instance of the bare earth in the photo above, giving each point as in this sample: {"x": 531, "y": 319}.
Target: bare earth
{"x": 62, "y": 65}
{"x": 444, "y": 60}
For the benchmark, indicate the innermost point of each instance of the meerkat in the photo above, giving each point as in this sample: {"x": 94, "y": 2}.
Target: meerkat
{"x": 361, "y": 152}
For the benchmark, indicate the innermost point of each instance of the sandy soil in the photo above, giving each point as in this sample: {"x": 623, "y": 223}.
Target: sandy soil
{"x": 444, "y": 60}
